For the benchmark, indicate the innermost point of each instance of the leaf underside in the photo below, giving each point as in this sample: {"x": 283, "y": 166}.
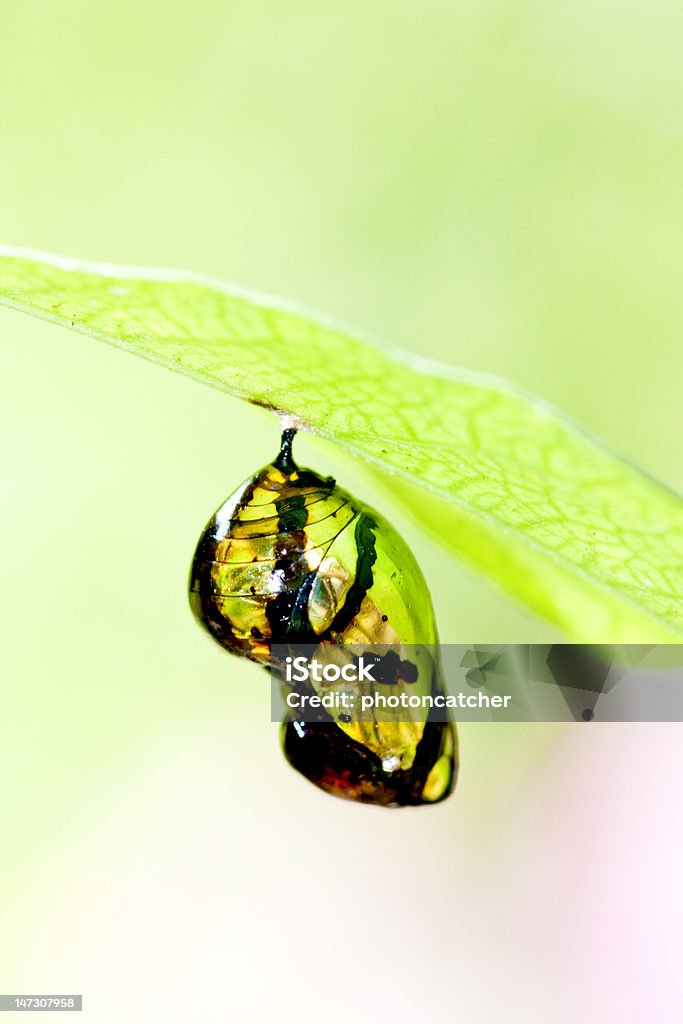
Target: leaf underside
{"x": 505, "y": 482}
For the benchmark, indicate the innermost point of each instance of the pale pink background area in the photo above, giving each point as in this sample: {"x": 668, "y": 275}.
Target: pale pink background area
{"x": 212, "y": 883}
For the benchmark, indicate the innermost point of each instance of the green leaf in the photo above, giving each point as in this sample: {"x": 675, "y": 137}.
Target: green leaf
{"x": 504, "y": 481}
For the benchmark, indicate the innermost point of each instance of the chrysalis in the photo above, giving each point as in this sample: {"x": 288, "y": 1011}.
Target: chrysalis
{"x": 292, "y": 558}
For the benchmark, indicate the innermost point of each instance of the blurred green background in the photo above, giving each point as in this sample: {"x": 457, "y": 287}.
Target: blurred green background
{"x": 494, "y": 184}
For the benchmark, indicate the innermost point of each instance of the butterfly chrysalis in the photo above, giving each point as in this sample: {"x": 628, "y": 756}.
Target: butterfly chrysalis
{"x": 289, "y": 558}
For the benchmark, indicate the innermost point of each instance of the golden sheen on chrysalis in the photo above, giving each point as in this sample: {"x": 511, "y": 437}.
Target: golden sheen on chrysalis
{"x": 291, "y": 558}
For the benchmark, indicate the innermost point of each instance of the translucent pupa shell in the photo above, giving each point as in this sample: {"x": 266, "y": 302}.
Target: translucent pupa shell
{"x": 291, "y": 558}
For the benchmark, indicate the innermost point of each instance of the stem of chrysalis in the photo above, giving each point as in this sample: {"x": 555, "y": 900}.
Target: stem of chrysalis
{"x": 284, "y": 461}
